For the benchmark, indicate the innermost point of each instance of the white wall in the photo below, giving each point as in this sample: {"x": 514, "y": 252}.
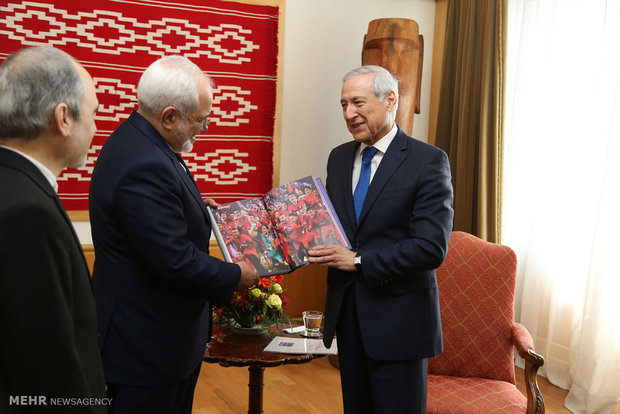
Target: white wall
{"x": 323, "y": 41}
{"x": 82, "y": 228}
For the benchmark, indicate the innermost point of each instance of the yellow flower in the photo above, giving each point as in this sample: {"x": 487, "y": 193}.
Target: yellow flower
{"x": 274, "y": 301}
{"x": 255, "y": 292}
{"x": 277, "y": 288}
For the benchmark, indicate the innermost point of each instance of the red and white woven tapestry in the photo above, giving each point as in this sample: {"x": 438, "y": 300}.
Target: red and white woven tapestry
{"x": 115, "y": 40}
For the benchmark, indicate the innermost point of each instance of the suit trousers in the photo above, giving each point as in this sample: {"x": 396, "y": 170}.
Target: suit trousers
{"x": 156, "y": 399}
{"x": 372, "y": 386}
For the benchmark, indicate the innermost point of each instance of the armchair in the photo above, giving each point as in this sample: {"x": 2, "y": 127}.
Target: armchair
{"x": 475, "y": 373}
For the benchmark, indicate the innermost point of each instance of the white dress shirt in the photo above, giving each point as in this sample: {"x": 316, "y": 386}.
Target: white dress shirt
{"x": 382, "y": 146}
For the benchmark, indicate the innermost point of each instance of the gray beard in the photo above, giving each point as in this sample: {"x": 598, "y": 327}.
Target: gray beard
{"x": 188, "y": 145}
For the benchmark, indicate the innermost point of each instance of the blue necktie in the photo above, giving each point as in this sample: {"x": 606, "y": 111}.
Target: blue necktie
{"x": 362, "y": 185}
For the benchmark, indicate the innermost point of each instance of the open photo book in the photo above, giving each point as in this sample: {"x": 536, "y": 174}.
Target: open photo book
{"x": 274, "y": 233}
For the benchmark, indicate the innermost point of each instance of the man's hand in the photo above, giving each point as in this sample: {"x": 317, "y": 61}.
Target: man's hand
{"x": 249, "y": 277}
{"x": 333, "y": 255}
{"x": 211, "y": 203}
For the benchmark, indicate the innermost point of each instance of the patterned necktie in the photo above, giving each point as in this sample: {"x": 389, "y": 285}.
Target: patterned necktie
{"x": 362, "y": 185}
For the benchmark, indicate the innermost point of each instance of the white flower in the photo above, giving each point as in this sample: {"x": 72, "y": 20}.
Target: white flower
{"x": 255, "y": 292}
{"x": 274, "y": 301}
{"x": 277, "y": 288}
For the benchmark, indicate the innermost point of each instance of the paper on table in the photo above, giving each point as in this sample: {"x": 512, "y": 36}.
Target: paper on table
{"x": 296, "y": 329}
{"x": 286, "y": 345}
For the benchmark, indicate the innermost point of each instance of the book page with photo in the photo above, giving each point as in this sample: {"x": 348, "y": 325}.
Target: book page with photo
{"x": 274, "y": 233}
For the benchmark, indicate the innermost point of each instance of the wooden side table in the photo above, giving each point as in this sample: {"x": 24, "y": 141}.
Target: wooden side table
{"x": 231, "y": 349}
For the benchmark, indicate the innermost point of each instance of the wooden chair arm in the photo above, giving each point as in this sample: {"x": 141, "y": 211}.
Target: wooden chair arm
{"x": 524, "y": 343}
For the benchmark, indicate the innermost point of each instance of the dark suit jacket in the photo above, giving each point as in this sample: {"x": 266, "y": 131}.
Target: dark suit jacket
{"x": 153, "y": 276}
{"x": 48, "y": 322}
{"x": 402, "y": 236}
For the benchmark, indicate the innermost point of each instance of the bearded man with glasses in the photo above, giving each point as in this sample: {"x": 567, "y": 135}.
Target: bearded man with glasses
{"x": 154, "y": 279}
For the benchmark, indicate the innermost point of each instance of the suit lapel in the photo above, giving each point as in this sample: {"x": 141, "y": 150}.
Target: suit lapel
{"x": 62, "y": 211}
{"x": 393, "y": 157}
{"x": 29, "y": 169}
{"x": 345, "y": 186}
{"x": 188, "y": 180}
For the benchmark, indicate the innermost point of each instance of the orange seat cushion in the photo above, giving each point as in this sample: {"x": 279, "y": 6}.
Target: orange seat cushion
{"x": 472, "y": 396}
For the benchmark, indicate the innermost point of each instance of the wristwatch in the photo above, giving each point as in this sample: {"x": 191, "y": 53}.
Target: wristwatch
{"x": 357, "y": 261}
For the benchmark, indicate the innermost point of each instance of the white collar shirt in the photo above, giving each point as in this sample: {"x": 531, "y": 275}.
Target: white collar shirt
{"x": 381, "y": 145}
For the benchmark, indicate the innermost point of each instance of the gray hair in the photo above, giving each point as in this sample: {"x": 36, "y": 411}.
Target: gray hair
{"x": 33, "y": 81}
{"x": 383, "y": 83}
{"x": 170, "y": 81}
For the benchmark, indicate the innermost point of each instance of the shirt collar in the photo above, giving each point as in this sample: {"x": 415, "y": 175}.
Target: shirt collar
{"x": 47, "y": 173}
{"x": 384, "y": 142}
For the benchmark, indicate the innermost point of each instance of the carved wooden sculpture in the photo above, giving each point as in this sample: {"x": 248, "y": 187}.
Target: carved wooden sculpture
{"x": 397, "y": 45}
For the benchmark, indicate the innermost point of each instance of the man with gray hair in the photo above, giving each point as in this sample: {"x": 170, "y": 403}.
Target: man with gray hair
{"x": 154, "y": 279}
{"x": 393, "y": 195}
{"x": 48, "y": 320}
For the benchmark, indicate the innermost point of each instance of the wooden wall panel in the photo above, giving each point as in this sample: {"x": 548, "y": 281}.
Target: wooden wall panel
{"x": 89, "y": 253}
{"x": 305, "y": 288}
{"x": 441, "y": 10}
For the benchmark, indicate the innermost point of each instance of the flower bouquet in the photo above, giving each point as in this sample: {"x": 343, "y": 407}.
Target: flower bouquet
{"x": 258, "y": 307}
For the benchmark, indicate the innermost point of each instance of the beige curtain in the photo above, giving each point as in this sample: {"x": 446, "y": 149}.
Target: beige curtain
{"x": 469, "y": 121}
{"x": 561, "y": 192}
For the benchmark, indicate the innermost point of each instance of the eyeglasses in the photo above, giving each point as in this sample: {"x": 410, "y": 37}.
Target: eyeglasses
{"x": 204, "y": 123}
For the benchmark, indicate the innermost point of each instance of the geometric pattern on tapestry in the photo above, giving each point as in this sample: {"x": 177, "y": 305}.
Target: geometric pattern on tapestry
{"x": 235, "y": 43}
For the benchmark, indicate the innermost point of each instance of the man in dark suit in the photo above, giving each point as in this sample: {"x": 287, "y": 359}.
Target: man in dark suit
{"x": 154, "y": 278}
{"x": 48, "y": 322}
{"x": 395, "y": 205}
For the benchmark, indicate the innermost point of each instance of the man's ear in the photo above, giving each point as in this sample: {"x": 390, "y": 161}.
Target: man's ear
{"x": 169, "y": 117}
{"x": 391, "y": 100}
{"x": 62, "y": 119}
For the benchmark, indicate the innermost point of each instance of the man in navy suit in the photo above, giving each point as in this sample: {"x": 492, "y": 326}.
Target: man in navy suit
{"x": 382, "y": 298}
{"x": 48, "y": 322}
{"x": 154, "y": 278}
